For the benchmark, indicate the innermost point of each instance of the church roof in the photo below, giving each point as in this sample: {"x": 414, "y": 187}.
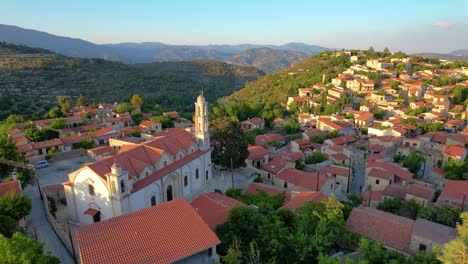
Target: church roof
{"x": 164, "y": 233}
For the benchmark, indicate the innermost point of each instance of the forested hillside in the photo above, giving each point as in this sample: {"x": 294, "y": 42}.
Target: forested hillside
{"x": 31, "y": 80}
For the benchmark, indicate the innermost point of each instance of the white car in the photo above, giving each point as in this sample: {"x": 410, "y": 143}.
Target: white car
{"x": 41, "y": 164}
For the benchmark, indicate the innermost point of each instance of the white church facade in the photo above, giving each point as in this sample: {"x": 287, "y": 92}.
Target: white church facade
{"x": 176, "y": 163}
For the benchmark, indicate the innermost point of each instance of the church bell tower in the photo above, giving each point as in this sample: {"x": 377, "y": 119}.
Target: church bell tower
{"x": 201, "y": 123}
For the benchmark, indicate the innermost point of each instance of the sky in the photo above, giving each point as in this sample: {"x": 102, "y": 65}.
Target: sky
{"x": 407, "y": 25}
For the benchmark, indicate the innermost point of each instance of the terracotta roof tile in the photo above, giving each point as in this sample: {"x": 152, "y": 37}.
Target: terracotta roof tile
{"x": 303, "y": 179}
{"x": 389, "y": 229}
{"x": 275, "y": 166}
{"x": 420, "y": 191}
{"x": 454, "y": 151}
{"x": 395, "y": 191}
{"x": 257, "y": 152}
{"x": 13, "y": 186}
{"x": 163, "y": 233}
{"x": 214, "y": 207}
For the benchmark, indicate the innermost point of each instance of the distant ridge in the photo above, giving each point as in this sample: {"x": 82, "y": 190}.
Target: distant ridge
{"x": 148, "y": 52}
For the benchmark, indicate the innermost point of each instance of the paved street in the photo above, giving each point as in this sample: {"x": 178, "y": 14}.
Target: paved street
{"x": 242, "y": 179}
{"x": 39, "y": 227}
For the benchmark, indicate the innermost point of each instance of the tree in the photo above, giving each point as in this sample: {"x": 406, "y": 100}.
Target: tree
{"x": 317, "y": 139}
{"x": 229, "y": 143}
{"x": 54, "y": 113}
{"x": 81, "y": 101}
{"x": 413, "y": 162}
{"x": 291, "y": 127}
{"x": 455, "y": 170}
{"x": 7, "y": 226}
{"x": 20, "y": 249}
{"x": 315, "y": 158}
{"x": 14, "y": 205}
{"x": 136, "y": 100}
{"x": 460, "y": 94}
{"x": 124, "y": 108}
{"x": 59, "y": 123}
{"x": 456, "y": 251}
{"x": 253, "y": 133}
{"x": 445, "y": 215}
{"x": 386, "y": 50}
{"x": 165, "y": 121}
{"x": 8, "y": 149}
{"x": 65, "y": 104}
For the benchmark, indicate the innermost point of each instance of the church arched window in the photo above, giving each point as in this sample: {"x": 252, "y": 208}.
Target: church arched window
{"x": 153, "y": 200}
{"x": 185, "y": 181}
{"x": 122, "y": 186}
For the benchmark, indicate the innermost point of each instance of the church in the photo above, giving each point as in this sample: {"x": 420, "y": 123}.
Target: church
{"x": 175, "y": 163}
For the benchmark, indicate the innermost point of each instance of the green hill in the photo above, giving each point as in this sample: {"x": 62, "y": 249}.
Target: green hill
{"x": 271, "y": 91}
{"x": 31, "y": 80}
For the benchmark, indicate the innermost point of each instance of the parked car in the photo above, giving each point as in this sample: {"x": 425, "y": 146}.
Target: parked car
{"x": 41, "y": 164}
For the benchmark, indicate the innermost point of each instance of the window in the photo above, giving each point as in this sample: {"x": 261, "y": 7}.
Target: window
{"x": 169, "y": 193}
{"x": 153, "y": 200}
{"x": 422, "y": 247}
{"x": 210, "y": 252}
{"x": 165, "y": 163}
{"x": 97, "y": 217}
{"x": 196, "y": 174}
{"x": 377, "y": 181}
{"x": 206, "y": 176}
{"x": 285, "y": 184}
{"x": 122, "y": 186}
{"x": 185, "y": 181}
{"x": 91, "y": 189}
{"x": 268, "y": 175}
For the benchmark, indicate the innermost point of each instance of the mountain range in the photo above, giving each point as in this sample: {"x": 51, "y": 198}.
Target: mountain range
{"x": 268, "y": 58}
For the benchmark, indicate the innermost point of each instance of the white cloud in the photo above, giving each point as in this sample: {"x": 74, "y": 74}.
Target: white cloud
{"x": 443, "y": 24}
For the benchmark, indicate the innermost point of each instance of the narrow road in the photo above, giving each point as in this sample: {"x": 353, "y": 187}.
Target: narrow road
{"x": 38, "y": 225}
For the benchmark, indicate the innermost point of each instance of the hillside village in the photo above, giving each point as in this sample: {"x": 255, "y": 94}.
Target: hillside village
{"x": 385, "y": 141}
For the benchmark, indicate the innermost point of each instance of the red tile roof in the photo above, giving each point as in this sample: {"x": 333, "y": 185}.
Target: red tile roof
{"x": 381, "y": 174}
{"x": 254, "y": 121}
{"x": 47, "y": 144}
{"x": 275, "y": 166}
{"x": 13, "y": 132}
{"x": 214, "y": 207}
{"x": 146, "y": 123}
{"x": 257, "y": 152}
{"x": 389, "y": 229}
{"x": 455, "y": 192}
{"x": 392, "y": 168}
{"x": 395, "y": 191}
{"x": 373, "y": 195}
{"x": 13, "y": 186}
{"x": 173, "y": 114}
{"x": 302, "y": 179}
{"x": 302, "y": 198}
{"x": 163, "y": 233}
{"x": 454, "y": 151}
{"x": 341, "y": 140}
{"x": 421, "y": 191}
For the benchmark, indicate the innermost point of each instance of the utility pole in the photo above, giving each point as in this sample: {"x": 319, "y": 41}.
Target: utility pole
{"x": 318, "y": 177}
{"x": 232, "y": 173}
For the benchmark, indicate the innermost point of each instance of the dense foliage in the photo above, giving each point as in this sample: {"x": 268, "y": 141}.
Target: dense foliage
{"x": 284, "y": 236}
{"x": 230, "y": 145}
{"x": 445, "y": 214}
{"x": 20, "y": 249}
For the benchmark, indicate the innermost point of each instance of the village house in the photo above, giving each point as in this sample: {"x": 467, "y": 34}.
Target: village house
{"x": 180, "y": 236}
{"x": 258, "y": 156}
{"x": 325, "y": 124}
{"x": 266, "y": 140}
{"x": 398, "y": 233}
{"x": 271, "y": 169}
{"x": 380, "y": 174}
{"x": 297, "y": 180}
{"x": 252, "y": 123}
{"x": 454, "y": 152}
{"x": 271, "y": 190}
{"x": 455, "y": 193}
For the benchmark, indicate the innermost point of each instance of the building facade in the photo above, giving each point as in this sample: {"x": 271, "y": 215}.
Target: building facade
{"x": 175, "y": 163}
